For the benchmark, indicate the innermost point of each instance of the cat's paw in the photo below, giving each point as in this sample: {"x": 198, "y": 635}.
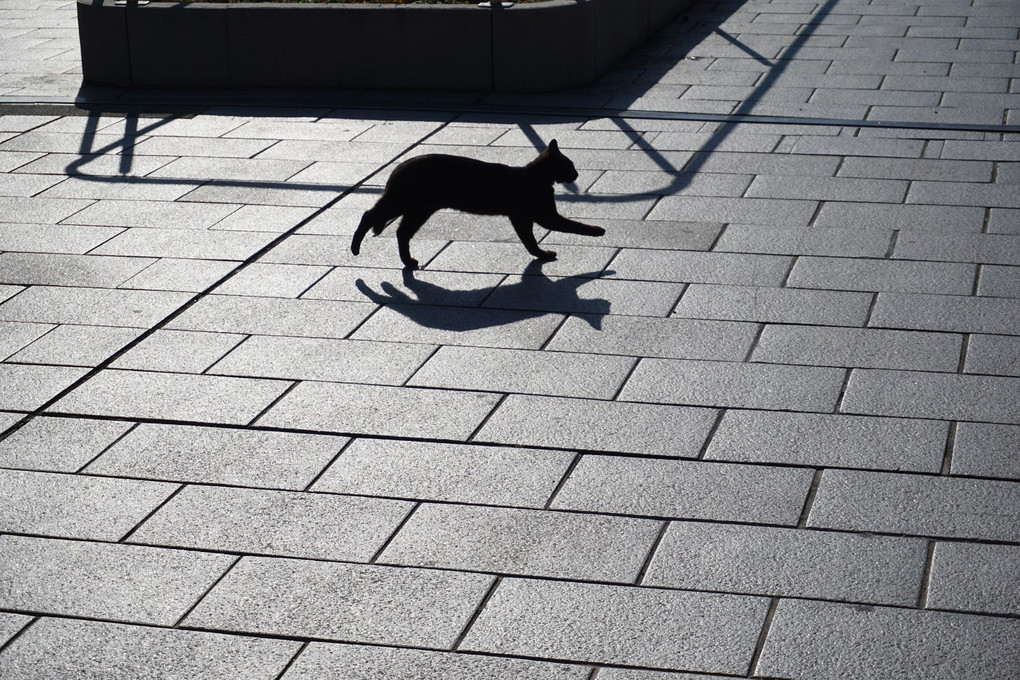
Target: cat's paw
{"x": 410, "y": 263}
{"x": 546, "y": 255}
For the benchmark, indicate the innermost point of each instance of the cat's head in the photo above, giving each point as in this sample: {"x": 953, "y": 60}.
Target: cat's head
{"x": 554, "y": 165}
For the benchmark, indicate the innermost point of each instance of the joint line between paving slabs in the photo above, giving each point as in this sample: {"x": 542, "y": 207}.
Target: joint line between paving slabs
{"x": 711, "y": 434}
{"x": 760, "y": 645}
{"x": 477, "y": 613}
{"x": 809, "y": 501}
{"x": 488, "y": 415}
{"x": 318, "y": 476}
{"x": 255, "y": 257}
{"x": 563, "y": 480}
{"x": 274, "y": 402}
{"x": 215, "y": 583}
{"x": 922, "y": 595}
{"x": 294, "y": 658}
{"x": 138, "y": 525}
{"x": 396, "y": 530}
{"x": 18, "y": 634}
{"x": 947, "y": 457}
{"x": 654, "y": 548}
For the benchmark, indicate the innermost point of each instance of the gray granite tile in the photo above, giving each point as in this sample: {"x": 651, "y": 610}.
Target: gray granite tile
{"x": 209, "y": 147}
{"x": 584, "y": 294}
{"x": 383, "y": 605}
{"x": 523, "y": 542}
{"x": 226, "y": 169}
{"x": 284, "y": 523}
{"x": 564, "y": 374}
{"x": 296, "y": 196}
{"x": 751, "y": 238}
{"x": 858, "y": 347}
{"x": 446, "y": 472}
{"x": 134, "y": 584}
{"x": 268, "y": 218}
{"x": 27, "y": 387}
{"x": 512, "y": 258}
{"x": 272, "y": 280}
{"x": 59, "y": 444}
{"x": 827, "y": 188}
{"x": 279, "y": 460}
{"x": 70, "y": 345}
{"x": 121, "y": 188}
{"x": 386, "y": 411}
{"x": 178, "y": 351}
{"x": 686, "y": 489}
{"x": 976, "y": 578}
{"x": 185, "y": 243}
{"x": 193, "y": 276}
{"x": 949, "y": 507}
{"x": 66, "y": 647}
{"x": 999, "y": 281}
{"x": 58, "y": 238}
{"x": 665, "y": 183}
{"x": 10, "y": 625}
{"x": 315, "y": 249}
{"x": 651, "y": 628}
{"x": 75, "y": 506}
{"x": 69, "y": 270}
{"x": 36, "y": 210}
{"x": 717, "y": 383}
{"x": 457, "y": 326}
{"x": 986, "y": 450}
{"x": 954, "y": 313}
{"x": 1003, "y": 221}
{"x": 91, "y": 306}
{"x": 994, "y": 355}
{"x": 775, "y": 305}
{"x": 988, "y": 150}
{"x": 320, "y": 661}
{"x": 766, "y": 211}
{"x": 554, "y": 422}
{"x": 14, "y": 335}
{"x": 830, "y": 440}
{"x": 942, "y": 170}
{"x": 982, "y": 248}
{"x": 789, "y": 562}
{"x": 152, "y": 214}
{"x": 358, "y": 361}
{"x": 827, "y": 640}
{"x": 650, "y": 337}
{"x": 953, "y": 193}
{"x": 882, "y": 275}
{"x": 930, "y": 218}
{"x": 272, "y": 316}
{"x": 932, "y": 395}
{"x": 650, "y": 234}
{"x": 196, "y": 398}
{"x": 721, "y": 268}
{"x": 858, "y": 146}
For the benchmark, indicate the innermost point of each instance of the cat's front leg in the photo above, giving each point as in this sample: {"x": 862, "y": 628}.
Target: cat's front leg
{"x": 524, "y": 228}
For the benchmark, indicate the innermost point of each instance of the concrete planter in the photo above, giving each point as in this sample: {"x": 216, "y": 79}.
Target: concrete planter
{"x": 526, "y": 48}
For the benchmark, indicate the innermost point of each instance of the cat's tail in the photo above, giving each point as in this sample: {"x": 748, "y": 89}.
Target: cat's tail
{"x": 369, "y": 221}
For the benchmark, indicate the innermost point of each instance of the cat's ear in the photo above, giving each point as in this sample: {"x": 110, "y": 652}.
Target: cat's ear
{"x": 553, "y": 146}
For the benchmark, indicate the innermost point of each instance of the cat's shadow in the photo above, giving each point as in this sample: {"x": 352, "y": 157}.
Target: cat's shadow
{"x": 534, "y": 295}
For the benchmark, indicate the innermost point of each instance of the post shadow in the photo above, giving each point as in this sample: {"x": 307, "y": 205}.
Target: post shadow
{"x": 433, "y": 306}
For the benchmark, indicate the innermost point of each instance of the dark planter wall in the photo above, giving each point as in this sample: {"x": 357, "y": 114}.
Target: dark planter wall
{"x": 528, "y": 48}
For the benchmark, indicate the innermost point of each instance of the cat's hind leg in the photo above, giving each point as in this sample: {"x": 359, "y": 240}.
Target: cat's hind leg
{"x": 409, "y": 226}
{"x": 524, "y": 228}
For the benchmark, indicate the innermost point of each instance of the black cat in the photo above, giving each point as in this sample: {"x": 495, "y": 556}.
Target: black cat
{"x": 420, "y": 186}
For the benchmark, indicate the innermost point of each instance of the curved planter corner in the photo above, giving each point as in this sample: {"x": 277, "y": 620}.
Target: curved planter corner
{"x": 527, "y": 48}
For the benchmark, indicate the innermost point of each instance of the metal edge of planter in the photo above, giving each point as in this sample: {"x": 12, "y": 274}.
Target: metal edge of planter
{"x": 527, "y": 48}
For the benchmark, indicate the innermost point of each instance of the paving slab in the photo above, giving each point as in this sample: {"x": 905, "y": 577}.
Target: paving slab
{"x": 562, "y": 374}
{"x": 523, "y": 542}
{"x": 685, "y": 489}
{"x": 523, "y": 420}
{"x": 27, "y": 387}
{"x": 272, "y": 316}
{"x": 953, "y": 313}
{"x": 694, "y": 267}
{"x": 446, "y": 472}
{"x": 984, "y": 450}
{"x": 858, "y": 347}
{"x": 651, "y": 628}
{"x": 950, "y": 507}
{"x": 322, "y": 660}
{"x": 276, "y": 460}
{"x": 718, "y": 383}
{"x": 974, "y": 578}
{"x": 45, "y": 238}
{"x": 775, "y": 305}
{"x": 582, "y": 294}
{"x": 172, "y": 274}
{"x": 73, "y": 506}
{"x": 14, "y": 336}
{"x": 356, "y": 361}
{"x": 398, "y": 606}
{"x": 285, "y": 523}
{"x": 826, "y": 640}
{"x": 882, "y": 275}
{"x": 127, "y": 583}
{"x": 194, "y": 398}
{"x": 59, "y": 444}
{"x": 91, "y": 306}
{"x": 71, "y": 345}
{"x": 948, "y": 396}
{"x": 178, "y": 351}
{"x": 788, "y": 562}
{"x": 65, "y": 647}
{"x": 152, "y": 214}
{"x": 751, "y": 238}
{"x": 829, "y": 440}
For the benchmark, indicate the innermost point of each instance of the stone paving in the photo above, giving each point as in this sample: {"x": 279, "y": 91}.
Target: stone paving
{"x": 767, "y": 426}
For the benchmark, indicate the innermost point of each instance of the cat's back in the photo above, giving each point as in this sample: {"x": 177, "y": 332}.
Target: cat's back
{"x": 444, "y": 181}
